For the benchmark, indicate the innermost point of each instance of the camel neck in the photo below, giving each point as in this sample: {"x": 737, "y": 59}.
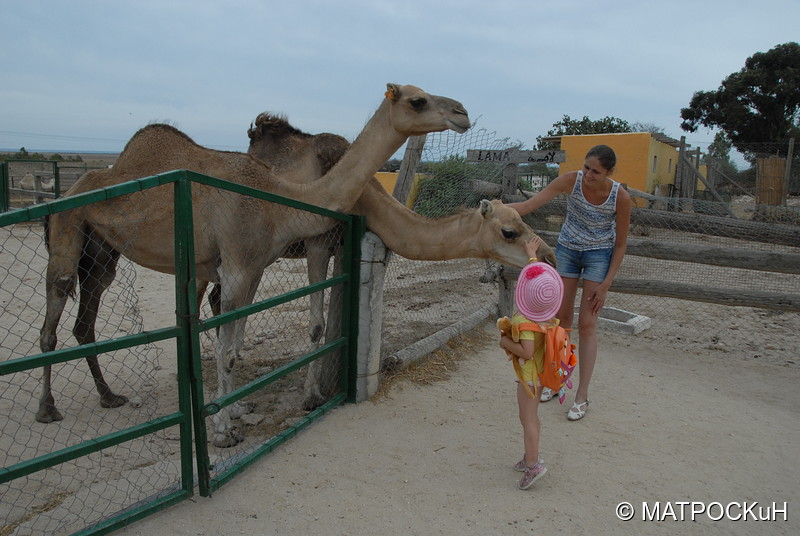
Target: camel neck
{"x": 341, "y": 186}
{"x": 414, "y": 236}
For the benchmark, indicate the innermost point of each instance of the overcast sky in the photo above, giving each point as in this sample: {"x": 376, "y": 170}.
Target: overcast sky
{"x": 84, "y": 75}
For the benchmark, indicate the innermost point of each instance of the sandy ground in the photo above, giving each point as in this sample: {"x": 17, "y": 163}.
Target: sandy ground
{"x": 681, "y": 412}
{"x": 665, "y": 427}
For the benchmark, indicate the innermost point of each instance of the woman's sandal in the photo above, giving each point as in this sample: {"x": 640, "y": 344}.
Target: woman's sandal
{"x": 575, "y": 413}
{"x": 547, "y": 394}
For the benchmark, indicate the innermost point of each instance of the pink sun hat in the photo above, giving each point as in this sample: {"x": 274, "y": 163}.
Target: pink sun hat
{"x": 539, "y": 292}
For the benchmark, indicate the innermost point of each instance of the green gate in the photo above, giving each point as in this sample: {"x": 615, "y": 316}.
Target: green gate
{"x": 192, "y": 407}
{"x": 6, "y": 188}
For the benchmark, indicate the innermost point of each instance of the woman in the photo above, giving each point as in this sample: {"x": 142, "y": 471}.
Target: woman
{"x": 591, "y": 246}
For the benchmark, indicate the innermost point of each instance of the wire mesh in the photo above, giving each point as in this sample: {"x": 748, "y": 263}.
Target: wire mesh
{"x": 736, "y": 225}
{"x": 78, "y": 493}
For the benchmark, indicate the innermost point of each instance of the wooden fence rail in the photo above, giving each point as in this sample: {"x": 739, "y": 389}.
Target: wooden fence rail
{"x": 743, "y": 258}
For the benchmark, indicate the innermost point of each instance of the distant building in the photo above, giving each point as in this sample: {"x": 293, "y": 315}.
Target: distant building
{"x": 645, "y": 161}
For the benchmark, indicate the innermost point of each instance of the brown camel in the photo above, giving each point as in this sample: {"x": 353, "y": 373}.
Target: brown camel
{"x": 493, "y": 231}
{"x": 86, "y": 242}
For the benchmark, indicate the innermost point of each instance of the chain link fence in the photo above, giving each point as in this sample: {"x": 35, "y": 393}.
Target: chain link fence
{"x": 421, "y": 298}
{"x": 697, "y": 224}
{"x": 77, "y": 493}
{"x": 91, "y": 489}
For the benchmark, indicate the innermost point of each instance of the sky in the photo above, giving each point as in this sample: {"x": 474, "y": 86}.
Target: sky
{"x": 86, "y": 75}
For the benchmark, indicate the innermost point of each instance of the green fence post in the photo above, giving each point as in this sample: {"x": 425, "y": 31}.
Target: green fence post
{"x": 4, "y": 202}
{"x": 189, "y": 373}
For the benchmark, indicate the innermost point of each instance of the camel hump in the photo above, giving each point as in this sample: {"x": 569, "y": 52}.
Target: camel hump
{"x": 160, "y": 133}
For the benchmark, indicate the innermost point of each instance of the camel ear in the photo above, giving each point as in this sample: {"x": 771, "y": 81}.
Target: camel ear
{"x": 486, "y": 208}
{"x": 393, "y": 92}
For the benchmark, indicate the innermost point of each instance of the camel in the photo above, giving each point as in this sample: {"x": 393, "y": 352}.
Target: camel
{"x": 85, "y": 243}
{"x": 28, "y": 182}
{"x": 494, "y": 231}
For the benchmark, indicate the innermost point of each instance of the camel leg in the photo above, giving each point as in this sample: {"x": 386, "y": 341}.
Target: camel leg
{"x": 237, "y": 288}
{"x": 62, "y": 267}
{"x": 96, "y": 272}
{"x": 57, "y": 293}
{"x": 321, "y": 379}
{"x": 317, "y": 259}
{"x": 213, "y": 296}
{"x": 213, "y": 300}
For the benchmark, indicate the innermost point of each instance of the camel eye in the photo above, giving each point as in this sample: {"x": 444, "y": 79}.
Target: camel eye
{"x": 509, "y": 234}
{"x": 418, "y": 103}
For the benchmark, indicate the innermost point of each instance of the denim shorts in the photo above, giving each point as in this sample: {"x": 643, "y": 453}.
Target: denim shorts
{"x": 591, "y": 264}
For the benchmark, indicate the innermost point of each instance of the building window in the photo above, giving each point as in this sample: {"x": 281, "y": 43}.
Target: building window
{"x": 655, "y": 163}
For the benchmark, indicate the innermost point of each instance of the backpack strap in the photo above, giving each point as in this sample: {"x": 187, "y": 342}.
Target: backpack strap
{"x": 531, "y": 326}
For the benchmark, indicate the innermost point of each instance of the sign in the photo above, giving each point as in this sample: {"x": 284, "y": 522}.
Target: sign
{"x": 516, "y": 156}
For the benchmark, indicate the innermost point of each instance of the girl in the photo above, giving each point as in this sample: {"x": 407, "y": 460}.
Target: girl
{"x": 537, "y": 298}
{"x": 591, "y": 246}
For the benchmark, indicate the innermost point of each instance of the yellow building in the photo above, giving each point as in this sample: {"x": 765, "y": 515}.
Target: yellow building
{"x": 389, "y": 178}
{"x": 645, "y": 161}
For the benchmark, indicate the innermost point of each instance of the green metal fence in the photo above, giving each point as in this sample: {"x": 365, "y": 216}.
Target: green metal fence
{"x": 6, "y": 188}
{"x": 190, "y": 418}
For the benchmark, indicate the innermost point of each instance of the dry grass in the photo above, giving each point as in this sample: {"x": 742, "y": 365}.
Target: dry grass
{"x": 436, "y": 367}
{"x": 55, "y": 500}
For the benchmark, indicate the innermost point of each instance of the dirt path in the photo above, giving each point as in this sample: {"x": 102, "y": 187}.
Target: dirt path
{"x": 665, "y": 426}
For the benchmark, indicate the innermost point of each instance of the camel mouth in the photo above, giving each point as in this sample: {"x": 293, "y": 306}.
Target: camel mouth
{"x": 459, "y": 126}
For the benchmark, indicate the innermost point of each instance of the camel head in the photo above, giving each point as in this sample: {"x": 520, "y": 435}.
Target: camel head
{"x": 508, "y": 234}
{"x": 414, "y": 112}
{"x": 274, "y": 140}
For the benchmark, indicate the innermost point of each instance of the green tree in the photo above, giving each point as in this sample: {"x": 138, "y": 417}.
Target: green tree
{"x": 719, "y": 155}
{"x": 569, "y": 127}
{"x": 445, "y": 191}
{"x": 760, "y": 103}
{"x": 391, "y": 165}
{"x": 639, "y": 126}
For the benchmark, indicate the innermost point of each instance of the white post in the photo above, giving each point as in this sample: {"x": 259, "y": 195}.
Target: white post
{"x": 374, "y": 257}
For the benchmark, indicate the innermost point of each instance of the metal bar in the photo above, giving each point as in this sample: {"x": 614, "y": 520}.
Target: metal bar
{"x": 85, "y": 198}
{"x": 94, "y": 348}
{"x": 186, "y": 314}
{"x": 87, "y": 447}
{"x": 237, "y": 394}
{"x": 242, "y": 312}
{"x": 32, "y": 193}
{"x": 227, "y": 473}
{"x": 4, "y": 194}
{"x": 264, "y": 195}
{"x": 143, "y": 509}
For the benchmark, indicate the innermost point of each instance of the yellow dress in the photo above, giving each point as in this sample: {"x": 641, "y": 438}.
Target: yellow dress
{"x": 531, "y": 368}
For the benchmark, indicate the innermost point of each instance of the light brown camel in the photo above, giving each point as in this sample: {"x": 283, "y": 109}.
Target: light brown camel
{"x": 86, "y": 242}
{"x": 494, "y": 231}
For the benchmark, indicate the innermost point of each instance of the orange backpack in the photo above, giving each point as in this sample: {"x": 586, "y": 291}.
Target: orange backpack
{"x": 559, "y": 356}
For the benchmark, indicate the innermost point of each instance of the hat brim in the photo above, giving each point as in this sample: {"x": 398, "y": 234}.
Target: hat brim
{"x": 550, "y": 292}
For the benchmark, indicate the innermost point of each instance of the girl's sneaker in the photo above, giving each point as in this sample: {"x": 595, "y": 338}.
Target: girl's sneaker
{"x": 520, "y": 465}
{"x": 532, "y": 474}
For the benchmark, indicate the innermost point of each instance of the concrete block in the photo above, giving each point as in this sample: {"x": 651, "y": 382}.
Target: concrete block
{"x": 620, "y": 320}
